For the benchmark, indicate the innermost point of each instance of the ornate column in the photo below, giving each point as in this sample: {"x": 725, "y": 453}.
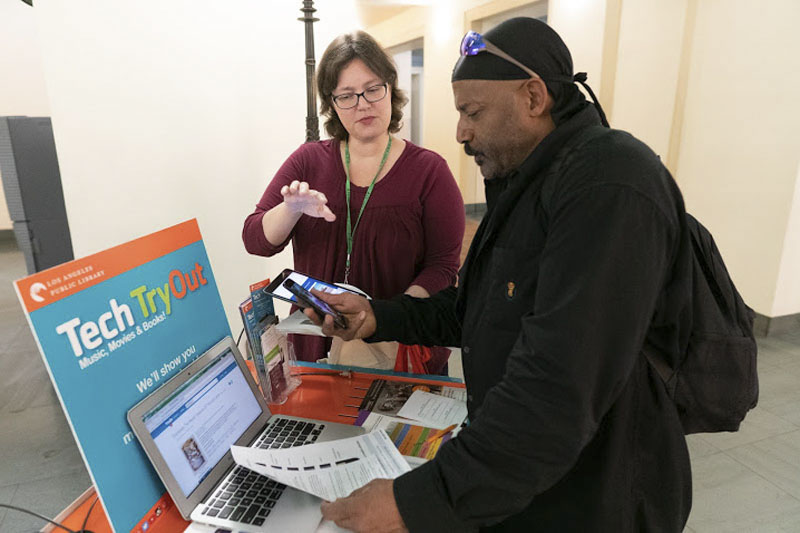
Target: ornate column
{"x": 312, "y": 121}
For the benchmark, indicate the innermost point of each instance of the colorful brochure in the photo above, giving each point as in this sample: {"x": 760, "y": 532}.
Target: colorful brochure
{"x": 111, "y": 328}
{"x": 411, "y": 440}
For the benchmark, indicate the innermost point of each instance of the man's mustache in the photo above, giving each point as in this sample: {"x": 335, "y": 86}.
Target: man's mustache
{"x": 469, "y": 150}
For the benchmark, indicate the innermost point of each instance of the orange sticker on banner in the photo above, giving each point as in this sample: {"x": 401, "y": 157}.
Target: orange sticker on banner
{"x": 51, "y": 285}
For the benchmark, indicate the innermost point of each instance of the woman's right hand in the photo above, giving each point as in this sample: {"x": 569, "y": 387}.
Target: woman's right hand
{"x": 300, "y": 199}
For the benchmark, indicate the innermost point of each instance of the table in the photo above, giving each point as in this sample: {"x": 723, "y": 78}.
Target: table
{"x": 327, "y": 392}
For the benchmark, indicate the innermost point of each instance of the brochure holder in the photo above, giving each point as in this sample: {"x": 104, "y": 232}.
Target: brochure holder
{"x": 274, "y": 368}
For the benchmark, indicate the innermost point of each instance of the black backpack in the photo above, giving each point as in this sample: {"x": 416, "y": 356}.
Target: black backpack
{"x": 716, "y": 383}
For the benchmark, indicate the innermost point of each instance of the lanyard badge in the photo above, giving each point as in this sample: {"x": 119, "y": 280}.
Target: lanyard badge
{"x": 351, "y": 230}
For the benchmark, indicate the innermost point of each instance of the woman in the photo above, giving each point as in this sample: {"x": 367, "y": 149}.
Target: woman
{"x": 364, "y": 207}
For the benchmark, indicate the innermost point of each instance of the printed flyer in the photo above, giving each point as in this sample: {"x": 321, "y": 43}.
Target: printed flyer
{"x": 112, "y": 327}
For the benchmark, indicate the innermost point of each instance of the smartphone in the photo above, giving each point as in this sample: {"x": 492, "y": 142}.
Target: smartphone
{"x": 306, "y": 299}
{"x": 278, "y": 290}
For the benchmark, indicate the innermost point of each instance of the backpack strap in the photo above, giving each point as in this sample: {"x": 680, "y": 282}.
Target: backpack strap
{"x": 704, "y": 248}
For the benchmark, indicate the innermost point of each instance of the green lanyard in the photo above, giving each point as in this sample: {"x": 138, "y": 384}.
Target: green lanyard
{"x": 351, "y": 232}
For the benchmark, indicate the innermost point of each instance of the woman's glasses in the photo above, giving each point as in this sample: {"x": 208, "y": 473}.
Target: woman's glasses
{"x": 474, "y": 43}
{"x": 373, "y": 94}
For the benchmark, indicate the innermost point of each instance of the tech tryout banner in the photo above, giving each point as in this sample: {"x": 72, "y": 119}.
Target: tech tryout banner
{"x": 111, "y": 328}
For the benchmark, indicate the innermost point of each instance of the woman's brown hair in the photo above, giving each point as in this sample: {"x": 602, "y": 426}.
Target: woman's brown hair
{"x": 344, "y": 49}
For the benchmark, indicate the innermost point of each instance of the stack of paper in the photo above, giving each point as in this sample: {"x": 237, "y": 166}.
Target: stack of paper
{"x": 331, "y": 469}
{"x": 434, "y": 411}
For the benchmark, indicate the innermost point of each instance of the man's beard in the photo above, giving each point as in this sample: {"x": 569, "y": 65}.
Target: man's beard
{"x": 492, "y": 171}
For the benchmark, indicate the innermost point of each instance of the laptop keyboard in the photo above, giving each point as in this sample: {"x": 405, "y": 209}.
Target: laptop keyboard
{"x": 248, "y": 497}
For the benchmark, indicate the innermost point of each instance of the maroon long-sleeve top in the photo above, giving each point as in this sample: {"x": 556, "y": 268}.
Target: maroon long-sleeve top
{"x": 410, "y": 233}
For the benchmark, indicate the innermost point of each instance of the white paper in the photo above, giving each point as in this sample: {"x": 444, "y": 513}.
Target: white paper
{"x": 351, "y": 464}
{"x": 455, "y": 393}
{"x": 298, "y": 322}
{"x": 434, "y": 411}
{"x": 197, "y": 527}
{"x": 376, "y": 421}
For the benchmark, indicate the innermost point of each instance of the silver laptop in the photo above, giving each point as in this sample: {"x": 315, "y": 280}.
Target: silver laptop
{"x": 187, "y": 427}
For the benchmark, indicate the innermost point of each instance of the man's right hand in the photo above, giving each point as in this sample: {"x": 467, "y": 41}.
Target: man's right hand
{"x": 361, "y": 321}
{"x": 299, "y": 198}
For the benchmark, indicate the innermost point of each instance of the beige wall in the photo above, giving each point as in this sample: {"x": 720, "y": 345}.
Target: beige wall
{"x": 22, "y": 87}
{"x": 787, "y": 292}
{"x": 581, "y": 24}
{"x": 648, "y": 63}
{"x": 710, "y": 85}
{"x": 740, "y": 144}
{"x": 22, "y": 90}
{"x": 165, "y": 111}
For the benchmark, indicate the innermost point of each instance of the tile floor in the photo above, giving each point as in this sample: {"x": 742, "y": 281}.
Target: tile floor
{"x": 750, "y": 480}
{"x": 745, "y": 481}
{"x": 40, "y": 466}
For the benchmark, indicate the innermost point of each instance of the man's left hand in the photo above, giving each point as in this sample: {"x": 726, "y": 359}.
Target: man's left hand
{"x": 369, "y": 509}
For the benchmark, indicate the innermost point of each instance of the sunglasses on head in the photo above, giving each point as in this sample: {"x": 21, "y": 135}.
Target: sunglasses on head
{"x": 474, "y": 43}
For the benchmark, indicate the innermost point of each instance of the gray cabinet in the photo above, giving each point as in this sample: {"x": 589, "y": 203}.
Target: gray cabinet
{"x": 32, "y": 186}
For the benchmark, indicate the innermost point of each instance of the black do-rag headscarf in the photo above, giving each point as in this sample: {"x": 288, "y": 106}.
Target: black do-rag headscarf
{"x": 537, "y": 46}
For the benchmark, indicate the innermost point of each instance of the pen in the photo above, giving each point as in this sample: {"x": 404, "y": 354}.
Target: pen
{"x": 442, "y": 432}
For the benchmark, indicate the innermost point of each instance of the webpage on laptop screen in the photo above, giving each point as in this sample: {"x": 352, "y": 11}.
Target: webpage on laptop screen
{"x": 197, "y": 424}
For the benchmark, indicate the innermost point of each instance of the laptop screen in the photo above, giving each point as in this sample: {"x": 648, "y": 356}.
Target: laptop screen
{"x": 196, "y": 425}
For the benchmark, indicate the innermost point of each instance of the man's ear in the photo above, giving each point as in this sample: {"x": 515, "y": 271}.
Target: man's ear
{"x": 538, "y": 97}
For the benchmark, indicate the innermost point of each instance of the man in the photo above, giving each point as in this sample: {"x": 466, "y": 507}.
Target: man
{"x": 580, "y": 261}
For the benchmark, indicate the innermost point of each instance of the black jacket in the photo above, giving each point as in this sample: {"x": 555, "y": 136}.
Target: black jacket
{"x": 579, "y": 260}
